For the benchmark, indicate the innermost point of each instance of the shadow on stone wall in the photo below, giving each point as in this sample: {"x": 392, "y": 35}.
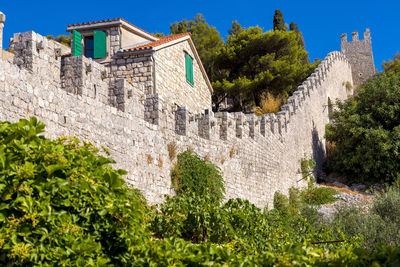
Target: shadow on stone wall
{"x": 318, "y": 154}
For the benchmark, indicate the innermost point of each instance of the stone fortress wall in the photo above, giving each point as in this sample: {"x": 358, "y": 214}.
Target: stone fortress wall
{"x": 258, "y": 155}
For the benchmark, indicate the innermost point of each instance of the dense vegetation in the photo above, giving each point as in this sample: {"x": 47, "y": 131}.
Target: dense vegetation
{"x": 366, "y": 132}
{"x": 62, "y": 204}
{"x": 251, "y": 64}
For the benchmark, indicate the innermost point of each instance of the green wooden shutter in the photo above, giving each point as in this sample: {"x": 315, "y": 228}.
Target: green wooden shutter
{"x": 77, "y": 43}
{"x": 191, "y": 71}
{"x": 189, "y": 68}
{"x": 100, "y": 44}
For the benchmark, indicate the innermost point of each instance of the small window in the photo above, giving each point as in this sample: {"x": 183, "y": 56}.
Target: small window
{"x": 189, "y": 68}
{"x": 89, "y": 46}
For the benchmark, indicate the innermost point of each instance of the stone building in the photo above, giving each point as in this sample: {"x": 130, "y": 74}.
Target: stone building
{"x": 168, "y": 66}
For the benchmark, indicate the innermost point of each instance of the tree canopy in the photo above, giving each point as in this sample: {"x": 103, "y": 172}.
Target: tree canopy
{"x": 392, "y": 66}
{"x": 253, "y": 63}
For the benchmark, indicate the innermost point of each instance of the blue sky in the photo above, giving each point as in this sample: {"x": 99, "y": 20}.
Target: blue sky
{"x": 322, "y": 22}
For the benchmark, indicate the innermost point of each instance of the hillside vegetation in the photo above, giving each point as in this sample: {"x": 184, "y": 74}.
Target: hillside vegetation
{"x": 365, "y": 130}
{"x": 62, "y": 204}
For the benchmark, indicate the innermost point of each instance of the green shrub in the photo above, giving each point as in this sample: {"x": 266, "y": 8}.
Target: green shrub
{"x": 192, "y": 174}
{"x": 62, "y": 203}
{"x": 192, "y": 217}
{"x": 318, "y": 195}
{"x": 366, "y": 132}
{"x": 387, "y": 205}
{"x": 281, "y": 202}
{"x": 381, "y": 225}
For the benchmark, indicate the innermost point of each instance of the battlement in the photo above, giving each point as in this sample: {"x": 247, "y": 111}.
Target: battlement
{"x": 359, "y": 54}
{"x": 225, "y": 126}
{"x": 79, "y": 97}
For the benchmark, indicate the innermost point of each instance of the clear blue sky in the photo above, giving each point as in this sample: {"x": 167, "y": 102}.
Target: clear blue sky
{"x": 322, "y": 22}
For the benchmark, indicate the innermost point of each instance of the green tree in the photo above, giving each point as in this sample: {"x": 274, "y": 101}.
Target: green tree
{"x": 205, "y": 37}
{"x": 62, "y": 39}
{"x": 293, "y": 27}
{"x": 279, "y": 24}
{"x": 235, "y": 29}
{"x": 392, "y": 66}
{"x": 366, "y": 131}
{"x": 254, "y": 63}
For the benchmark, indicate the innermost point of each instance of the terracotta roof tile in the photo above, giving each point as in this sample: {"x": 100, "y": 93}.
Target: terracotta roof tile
{"x": 108, "y": 20}
{"x": 92, "y": 22}
{"x": 160, "y": 41}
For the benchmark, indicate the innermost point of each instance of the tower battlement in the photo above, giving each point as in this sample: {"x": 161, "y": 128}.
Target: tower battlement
{"x": 359, "y": 54}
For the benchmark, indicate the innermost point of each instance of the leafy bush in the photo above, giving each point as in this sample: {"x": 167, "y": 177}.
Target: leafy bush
{"x": 62, "y": 203}
{"x": 192, "y": 174}
{"x": 281, "y": 202}
{"x": 381, "y": 224}
{"x": 318, "y": 195}
{"x": 366, "y": 132}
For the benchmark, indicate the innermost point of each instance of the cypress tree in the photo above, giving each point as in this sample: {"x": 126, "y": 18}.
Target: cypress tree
{"x": 279, "y": 24}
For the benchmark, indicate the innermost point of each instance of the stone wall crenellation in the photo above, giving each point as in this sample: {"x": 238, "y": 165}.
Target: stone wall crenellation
{"x": 75, "y": 96}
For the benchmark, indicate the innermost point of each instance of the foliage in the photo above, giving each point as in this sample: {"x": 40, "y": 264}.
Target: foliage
{"x": 379, "y": 225}
{"x": 62, "y": 39}
{"x": 269, "y": 104}
{"x": 61, "y": 202}
{"x": 279, "y": 24}
{"x": 254, "y": 63}
{"x": 392, "y": 66}
{"x": 159, "y": 34}
{"x": 205, "y": 37}
{"x": 192, "y": 174}
{"x": 366, "y": 132}
{"x": 319, "y": 195}
{"x": 307, "y": 166}
{"x": 281, "y": 202}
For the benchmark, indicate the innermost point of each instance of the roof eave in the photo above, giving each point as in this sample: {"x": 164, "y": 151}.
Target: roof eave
{"x": 95, "y": 25}
{"x": 141, "y": 51}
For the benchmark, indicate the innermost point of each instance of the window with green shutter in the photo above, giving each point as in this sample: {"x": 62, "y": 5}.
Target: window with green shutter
{"x": 189, "y": 68}
{"x": 100, "y": 44}
{"x": 76, "y": 43}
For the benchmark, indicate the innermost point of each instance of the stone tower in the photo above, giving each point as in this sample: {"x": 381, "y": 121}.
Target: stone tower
{"x": 359, "y": 54}
{"x": 2, "y": 20}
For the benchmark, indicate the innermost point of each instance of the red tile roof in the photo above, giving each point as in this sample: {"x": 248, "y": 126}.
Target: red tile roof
{"x": 105, "y": 21}
{"x": 160, "y": 41}
{"x": 93, "y": 22}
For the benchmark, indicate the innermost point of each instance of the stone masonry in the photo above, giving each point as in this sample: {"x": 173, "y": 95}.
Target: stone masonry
{"x": 143, "y": 123}
{"x": 359, "y": 54}
{"x": 258, "y": 155}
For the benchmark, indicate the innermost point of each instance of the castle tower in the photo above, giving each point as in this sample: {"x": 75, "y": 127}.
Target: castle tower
{"x": 359, "y": 54}
{"x": 2, "y": 20}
